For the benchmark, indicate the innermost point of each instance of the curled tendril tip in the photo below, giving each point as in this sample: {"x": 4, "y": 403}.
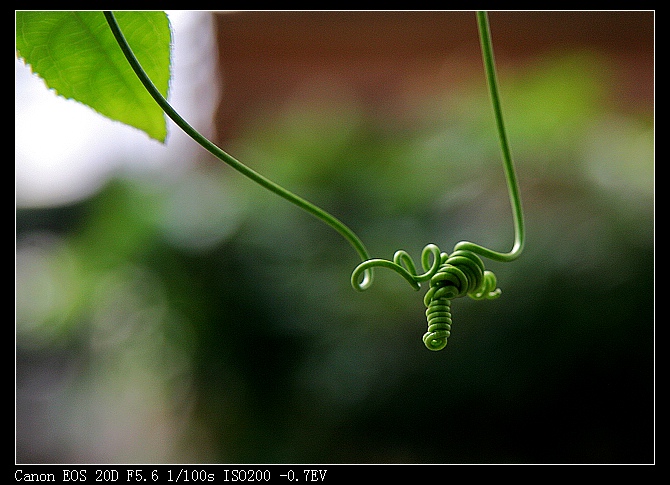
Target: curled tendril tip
{"x": 449, "y": 275}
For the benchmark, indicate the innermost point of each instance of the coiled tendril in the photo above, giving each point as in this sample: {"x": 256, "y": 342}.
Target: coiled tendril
{"x": 450, "y": 275}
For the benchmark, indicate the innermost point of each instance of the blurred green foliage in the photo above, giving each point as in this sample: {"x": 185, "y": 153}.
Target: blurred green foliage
{"x": 203, "y": 319}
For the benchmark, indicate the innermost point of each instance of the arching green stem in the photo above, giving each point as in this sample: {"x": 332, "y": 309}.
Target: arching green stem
{"x": 316, "y": 211}
{"x": 508, "y": 164}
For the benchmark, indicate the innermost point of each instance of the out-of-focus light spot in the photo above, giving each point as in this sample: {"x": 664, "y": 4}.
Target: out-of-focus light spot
{"x": 620, "y": 156}
{"x": 47, "y": 289}
{"x": 202, "y": 210}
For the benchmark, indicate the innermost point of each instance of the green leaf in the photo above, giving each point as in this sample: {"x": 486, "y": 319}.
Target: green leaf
{"x": 77, "y": 56}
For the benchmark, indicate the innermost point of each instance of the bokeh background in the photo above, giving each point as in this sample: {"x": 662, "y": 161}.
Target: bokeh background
{"x": 169, "y": 310}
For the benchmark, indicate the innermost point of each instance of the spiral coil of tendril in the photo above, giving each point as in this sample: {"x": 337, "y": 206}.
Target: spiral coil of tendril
{"x": 438, "y": 314}
{"x": 450, "y": 276}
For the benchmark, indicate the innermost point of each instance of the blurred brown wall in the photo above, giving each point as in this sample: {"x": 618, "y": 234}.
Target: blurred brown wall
{"x": 265, "y": 57}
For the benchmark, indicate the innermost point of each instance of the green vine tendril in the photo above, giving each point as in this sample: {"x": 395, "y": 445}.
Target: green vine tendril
{"x": 450, "y": 275}
{"x": 316, "y": 211}
{"x": 461, "y": 272}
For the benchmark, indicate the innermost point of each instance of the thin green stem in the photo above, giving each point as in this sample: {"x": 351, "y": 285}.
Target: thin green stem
{"x": 508, "y": 164}
{"x": 316, "y": 211}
